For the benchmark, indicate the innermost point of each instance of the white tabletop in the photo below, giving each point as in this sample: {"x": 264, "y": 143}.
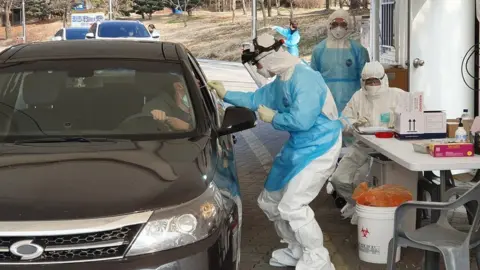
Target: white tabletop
{"x": 402, "y": 153}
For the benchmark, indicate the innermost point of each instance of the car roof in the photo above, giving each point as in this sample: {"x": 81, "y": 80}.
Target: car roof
{"x": 119, "y": 22}
{"x": 77, "y": 28}
{"x": 94, "y": 49}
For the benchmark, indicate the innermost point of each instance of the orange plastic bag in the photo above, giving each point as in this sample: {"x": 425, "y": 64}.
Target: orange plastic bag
{"x": 383, "y": 196}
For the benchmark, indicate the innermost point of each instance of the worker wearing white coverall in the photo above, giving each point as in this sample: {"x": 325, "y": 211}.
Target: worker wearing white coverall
{"x": 297, "y": 101}
{"x": 373, "y": 105}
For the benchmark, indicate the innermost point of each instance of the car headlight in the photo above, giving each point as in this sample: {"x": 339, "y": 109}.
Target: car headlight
{"x": 181, "y": 225}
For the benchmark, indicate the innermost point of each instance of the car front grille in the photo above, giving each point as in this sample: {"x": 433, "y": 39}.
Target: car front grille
{"x": 71, "y": 248}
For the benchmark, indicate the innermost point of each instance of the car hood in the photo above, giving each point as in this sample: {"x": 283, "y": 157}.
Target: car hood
{"x": 61, "y": 184}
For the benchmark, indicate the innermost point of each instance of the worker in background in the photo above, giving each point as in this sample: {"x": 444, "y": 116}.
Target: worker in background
{"x": 151, "y": 28}
{"x": 292, "y": 37}
{"x": 373, "y": 105}
{"x": 339, "y": 59}
{"x": 297, "y": 101}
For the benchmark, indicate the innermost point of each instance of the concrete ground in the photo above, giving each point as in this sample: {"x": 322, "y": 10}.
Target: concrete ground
{"x": 254, "y": 151}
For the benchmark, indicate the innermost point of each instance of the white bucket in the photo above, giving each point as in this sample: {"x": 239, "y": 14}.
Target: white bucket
{"x": 375, "y": 230}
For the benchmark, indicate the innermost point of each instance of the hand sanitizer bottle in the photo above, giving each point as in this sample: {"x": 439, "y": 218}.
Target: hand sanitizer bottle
{"x": 461, "y": 133}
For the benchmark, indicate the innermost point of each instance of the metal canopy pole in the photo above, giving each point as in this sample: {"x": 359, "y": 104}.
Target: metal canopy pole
{"x": 110, "y": 11}
{"x": 254, "y": 19}
{"x": 24, "y": 25}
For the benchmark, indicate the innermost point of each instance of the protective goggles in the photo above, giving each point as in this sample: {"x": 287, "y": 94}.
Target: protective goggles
{"x": 252, "y": 57}
{"x": 338, "y": 22}
{"x": 374, "y": 81}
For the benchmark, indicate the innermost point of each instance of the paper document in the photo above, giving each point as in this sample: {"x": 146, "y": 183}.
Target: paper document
{"x": 373, "y": 130}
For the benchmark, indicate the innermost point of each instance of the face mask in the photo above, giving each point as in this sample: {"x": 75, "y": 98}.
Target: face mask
{"x": 372, "y": 90}
{"x": 264, "y": 73}
{"x": 339, "y": 32}
{"x": 185, "y": 101}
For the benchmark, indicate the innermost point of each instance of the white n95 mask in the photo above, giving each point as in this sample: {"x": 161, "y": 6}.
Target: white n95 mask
{"x": 264, "y": 73}
{"x": 339, "y": 32}
{"x": 372, "y": 90}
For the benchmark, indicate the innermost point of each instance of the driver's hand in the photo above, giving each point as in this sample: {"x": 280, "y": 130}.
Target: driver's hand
{"x": 177, "y": 124}
{"x": 159, "y": 115}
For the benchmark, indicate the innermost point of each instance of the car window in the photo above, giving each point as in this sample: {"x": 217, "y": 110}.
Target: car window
{"x": 93, "y": 29}
{"x": 59, "y": 33}
{"x": 114, "y": 98}
{"x": 76, "y": 33}
{"x": 122, "y": 30}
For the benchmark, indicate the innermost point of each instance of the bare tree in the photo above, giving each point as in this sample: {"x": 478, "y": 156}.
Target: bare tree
{"x": 234, "y": 6}
{"x": 327, "y": 4}
{"x": 264, "y": 13}
{"x": 269, "y": 8}
{"x": 291, "y": 9}
{"x": 7, "y": 7}
{"x": 244, "y": 8}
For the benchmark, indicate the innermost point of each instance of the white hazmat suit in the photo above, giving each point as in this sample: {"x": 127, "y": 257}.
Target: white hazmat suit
{"x": 297, "y": 101}
{"x": 370, "y": 106}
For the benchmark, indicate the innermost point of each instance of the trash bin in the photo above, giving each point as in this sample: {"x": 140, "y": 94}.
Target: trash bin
{"x": 375, "y": 229}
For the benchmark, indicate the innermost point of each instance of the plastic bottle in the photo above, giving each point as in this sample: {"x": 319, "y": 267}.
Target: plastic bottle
{"x": 460, "y": 133}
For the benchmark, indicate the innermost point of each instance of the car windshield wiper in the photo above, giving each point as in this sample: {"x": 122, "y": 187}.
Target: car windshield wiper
{"x": 63, "y": 140}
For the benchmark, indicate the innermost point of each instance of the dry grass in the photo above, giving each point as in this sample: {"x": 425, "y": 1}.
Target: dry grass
{"x": 215, "y": 36}
{"x": 210, "y": 35}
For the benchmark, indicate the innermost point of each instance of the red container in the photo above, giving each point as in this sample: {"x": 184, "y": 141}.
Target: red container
{"x": 384, "y": 134}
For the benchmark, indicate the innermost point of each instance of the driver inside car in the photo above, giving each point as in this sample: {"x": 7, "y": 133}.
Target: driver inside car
{"x": 172, "y": 107}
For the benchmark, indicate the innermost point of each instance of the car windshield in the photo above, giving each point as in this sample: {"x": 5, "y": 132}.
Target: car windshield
{"x": 123, "y": 99}
{"x": 76, "y": 33}
{"x": 122, "y": 30}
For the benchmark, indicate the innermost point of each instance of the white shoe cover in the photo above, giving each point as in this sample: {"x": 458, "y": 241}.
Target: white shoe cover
{"x": 311, "y": 261}
{"x": 348, "y": 211}
{"x": 330, "y": 188}
{"x": 286, "y": 257}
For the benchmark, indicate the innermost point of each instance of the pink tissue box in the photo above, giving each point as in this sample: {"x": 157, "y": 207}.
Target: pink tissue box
{"x": 452, "y": 150}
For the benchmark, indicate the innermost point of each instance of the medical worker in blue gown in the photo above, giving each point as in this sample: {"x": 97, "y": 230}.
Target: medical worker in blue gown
{"x": 297, "y": 101}
{"x": 339, "y": 59}
{"x": 292, "y": 37}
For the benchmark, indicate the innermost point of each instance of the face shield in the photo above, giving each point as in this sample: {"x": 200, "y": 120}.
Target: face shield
{"x": 256, "y": 55}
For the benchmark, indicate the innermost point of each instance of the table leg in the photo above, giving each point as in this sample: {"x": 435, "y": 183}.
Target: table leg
{"x": 432, "y": 259}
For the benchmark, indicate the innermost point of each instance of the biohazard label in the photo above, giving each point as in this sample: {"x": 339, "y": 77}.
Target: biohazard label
{"x": 369, "y": 249}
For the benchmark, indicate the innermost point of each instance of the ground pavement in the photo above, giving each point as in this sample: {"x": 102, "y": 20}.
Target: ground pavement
{"x": 254, "y": 151}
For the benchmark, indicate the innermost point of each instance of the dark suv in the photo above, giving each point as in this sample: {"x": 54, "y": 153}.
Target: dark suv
{"x": 115, "y": 155}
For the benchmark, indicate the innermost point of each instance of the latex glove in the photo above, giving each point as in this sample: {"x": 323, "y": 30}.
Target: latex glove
{"x": 361, "y": 122}
{"x": 159, "y": 115}
{"x": 218, "y": 87}
{"x": 266, "y": 114}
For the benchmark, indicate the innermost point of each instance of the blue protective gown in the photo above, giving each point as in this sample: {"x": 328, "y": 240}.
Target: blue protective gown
{"x": 291, "y": 39}
{"x": 298, "y": 102}
{"x": 341, "y": 69}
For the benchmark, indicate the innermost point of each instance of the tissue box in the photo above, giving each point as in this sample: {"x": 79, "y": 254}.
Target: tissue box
{"x": 435, "y": 124}
{"x": 451, "y": 150}
{"x": 415, "y": 102}
{"x": 409, "y": 125}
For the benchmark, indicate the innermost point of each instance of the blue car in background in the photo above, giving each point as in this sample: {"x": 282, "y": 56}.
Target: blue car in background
{"x": 70, "y": 33}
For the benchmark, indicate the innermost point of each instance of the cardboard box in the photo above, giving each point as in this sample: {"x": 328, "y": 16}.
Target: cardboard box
{"x": 415, "y": 103}
{"x": 409, "y": 125}
{"x": 452, "y": 150}
{"x": 435, "y": 122}
{"x": 452, "y": 125}
{"x": 397, "y": 77}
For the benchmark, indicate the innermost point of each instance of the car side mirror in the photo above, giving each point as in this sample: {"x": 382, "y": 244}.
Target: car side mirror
{"x": 89, "y": 36}
{"x": 237, "y": 119}
{"x": 57, "y": 38}
{"x": 155, "y": 34}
